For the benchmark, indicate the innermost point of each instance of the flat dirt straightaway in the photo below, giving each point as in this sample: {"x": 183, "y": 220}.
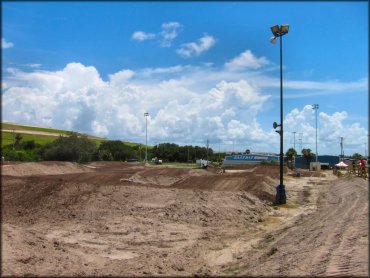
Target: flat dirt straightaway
{"x": 126, "y": 219}
{"x": 330, "y": 241}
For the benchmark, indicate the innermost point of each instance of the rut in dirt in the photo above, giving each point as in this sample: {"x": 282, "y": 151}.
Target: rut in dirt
{"x": 332, "y": 241}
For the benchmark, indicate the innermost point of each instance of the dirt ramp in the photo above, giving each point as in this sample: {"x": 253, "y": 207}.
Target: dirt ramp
{"x": 164, "y": 176}
{"x": 44, "y": 168}
{"x": 216, "y": 183}
{"x": 260, "y": 186}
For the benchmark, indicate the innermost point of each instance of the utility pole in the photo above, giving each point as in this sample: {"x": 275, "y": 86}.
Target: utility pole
{"x": 207, "y": 149}
{"x": 294, "y": 139}
{"x": 365, "y": 151}
{"x": 146, "y": 114}
{"x": 13, "y": 139}
{"x": 315, "y": 107}
{"x": 341, "y": 148}
{"x": 219, "y": 151}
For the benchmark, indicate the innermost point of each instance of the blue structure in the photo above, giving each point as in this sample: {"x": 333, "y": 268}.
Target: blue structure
{"x": 330, "y": 160}
{"x": 249, "y": 159}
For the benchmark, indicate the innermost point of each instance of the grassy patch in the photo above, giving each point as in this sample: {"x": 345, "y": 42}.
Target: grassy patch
{"x": 133, "y": 144}
{"x": 264, "y": 243}
{"x": 7, "y": 138}
{"x": 289, "y": 206}
{"x": 32, "y": 128}
{"x": 180, "y": 164}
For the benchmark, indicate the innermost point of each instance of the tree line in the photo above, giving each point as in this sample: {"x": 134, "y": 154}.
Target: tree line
{"x": 78, "y": 148}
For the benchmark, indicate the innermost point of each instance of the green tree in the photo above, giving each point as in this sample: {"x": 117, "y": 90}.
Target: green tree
{"x": 105, "y": 155}
{"x": 357, "y": 156}
{"x": 291, "y": 153}
{"x": 118, "y": 150}
{"x": 308, "y": 155}
{"x": 71, "y": 148}
{"x": 29, "y": 145}
{"x": 174, "y": 153}
{"x": 17, "y": 141}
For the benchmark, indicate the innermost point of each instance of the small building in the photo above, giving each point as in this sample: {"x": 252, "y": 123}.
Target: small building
{"x": 326, "y": 161}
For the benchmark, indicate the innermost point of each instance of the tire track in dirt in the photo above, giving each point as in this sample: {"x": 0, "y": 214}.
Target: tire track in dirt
{"x": 329, "y": 241}
{"x": 342, "y": 262}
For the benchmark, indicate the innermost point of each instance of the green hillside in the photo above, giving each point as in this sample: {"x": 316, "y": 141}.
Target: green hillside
{"x": 10, "y": 126}
{"x": 7, "y": 138}
{"x": 7, "y": 135}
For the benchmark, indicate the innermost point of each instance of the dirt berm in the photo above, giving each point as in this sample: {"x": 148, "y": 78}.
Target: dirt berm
{"x": 126, "y": 219}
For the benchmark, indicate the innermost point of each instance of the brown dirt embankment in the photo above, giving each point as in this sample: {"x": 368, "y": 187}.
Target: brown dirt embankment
{"x": 43, "y": 168}
{"x": 126, "y": 219}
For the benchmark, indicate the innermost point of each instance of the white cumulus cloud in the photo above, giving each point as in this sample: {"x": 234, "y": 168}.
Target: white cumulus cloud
{"x": 246, "y": 60}
{"x": 330, "y": 127}
{"x": 142, "y": 36}
{"x": 196, "y": 48}
{"x": 5, "y": 44}
{"x": 169, "y": 32}
{"x": 121, "y": 77}
{"x": 187, "y": 104}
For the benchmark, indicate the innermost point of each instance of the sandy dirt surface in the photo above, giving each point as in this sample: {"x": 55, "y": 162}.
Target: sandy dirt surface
{"x": 126, "y": 219}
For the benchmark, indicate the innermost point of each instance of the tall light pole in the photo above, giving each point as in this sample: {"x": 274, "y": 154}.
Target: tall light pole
{"x": 146, "y": 114}
{"x": 294, "y": 132}
{"x": 365, "y": 151}
{"x": 315, "y": 107}
{"x": 280, "y": 31}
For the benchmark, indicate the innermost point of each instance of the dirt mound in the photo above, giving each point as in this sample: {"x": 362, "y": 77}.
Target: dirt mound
{"x": 262, "y": 187}
{"x": 44, "y": 168}
{"x": 180, "y": 222}
{"x": 164, "y": 176}
{"x": 240, "y": 166}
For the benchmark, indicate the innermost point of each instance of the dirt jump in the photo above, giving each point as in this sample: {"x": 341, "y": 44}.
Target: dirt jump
{"x": 128, "y": 219}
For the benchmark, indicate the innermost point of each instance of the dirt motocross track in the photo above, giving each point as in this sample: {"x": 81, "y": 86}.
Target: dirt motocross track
{"x": 126, "y": 219}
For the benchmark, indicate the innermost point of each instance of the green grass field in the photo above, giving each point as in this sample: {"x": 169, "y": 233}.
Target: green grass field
{"x": 177, "y": 164}
{"x": 7, "y": 137}
{"x": 133, "y": 144}
{"x": 32, "y": 128}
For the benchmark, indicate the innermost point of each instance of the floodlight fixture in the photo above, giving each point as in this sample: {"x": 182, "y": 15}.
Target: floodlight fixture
{"x": 279, "y": 31}
{"x": 275, "y": 125}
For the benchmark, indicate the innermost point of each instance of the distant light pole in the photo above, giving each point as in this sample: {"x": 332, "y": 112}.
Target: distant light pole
{"x": 13, "y": 139}
{"x": 365, "y": 151}
{"x": 280, "y": 31}
{"x": 146, "y": 114}
{"x": 315, "y": 107}
{"x": 294, "y": 132}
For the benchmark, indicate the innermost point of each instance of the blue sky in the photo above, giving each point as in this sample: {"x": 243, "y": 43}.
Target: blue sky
{"x": 202, "y": 70}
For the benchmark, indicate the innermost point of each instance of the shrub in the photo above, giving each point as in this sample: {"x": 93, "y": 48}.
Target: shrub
{"x": 105, "y": 155}
{"x": 20, "y": 155}
{"x": 71, "y": 148}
